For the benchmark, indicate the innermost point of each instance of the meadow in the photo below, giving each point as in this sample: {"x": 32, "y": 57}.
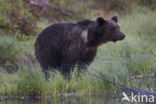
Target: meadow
{"x": 118, "y": 62}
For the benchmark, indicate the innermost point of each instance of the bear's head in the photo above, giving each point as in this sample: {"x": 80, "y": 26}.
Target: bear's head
{"x": 109, "y": 30}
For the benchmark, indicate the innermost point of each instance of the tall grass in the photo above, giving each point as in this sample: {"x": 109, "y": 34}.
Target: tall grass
{"x": 115, "y": 61}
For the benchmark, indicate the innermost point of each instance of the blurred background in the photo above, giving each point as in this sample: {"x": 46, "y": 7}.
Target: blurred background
{"x": 22, "y": 16}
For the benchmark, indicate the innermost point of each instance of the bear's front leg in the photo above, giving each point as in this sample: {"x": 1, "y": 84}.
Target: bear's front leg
{"x": 87, "y": 60}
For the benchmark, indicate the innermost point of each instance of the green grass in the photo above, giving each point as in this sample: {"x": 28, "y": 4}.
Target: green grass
{"x": 115, "y": 61}
{"x": 9, "y": 48}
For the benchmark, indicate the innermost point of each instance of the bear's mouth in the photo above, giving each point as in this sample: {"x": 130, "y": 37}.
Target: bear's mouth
{"x": 114, "y": 40}
{"x": 121, "y": 37}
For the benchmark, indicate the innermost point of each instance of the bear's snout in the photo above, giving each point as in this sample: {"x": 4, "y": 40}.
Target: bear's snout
{"x": 119, "y": 37}
{"x": 123, "y": 36}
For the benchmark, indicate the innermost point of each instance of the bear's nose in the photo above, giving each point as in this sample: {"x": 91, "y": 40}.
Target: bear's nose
{"x": 123, "y": 36}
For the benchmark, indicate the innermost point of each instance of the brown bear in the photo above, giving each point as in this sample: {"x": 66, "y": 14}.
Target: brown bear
{"x": 62, "y": 46}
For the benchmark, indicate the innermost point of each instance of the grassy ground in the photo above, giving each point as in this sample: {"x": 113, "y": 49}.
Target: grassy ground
{"x": 119, "y": 61}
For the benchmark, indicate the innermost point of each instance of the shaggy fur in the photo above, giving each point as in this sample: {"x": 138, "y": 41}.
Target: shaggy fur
{"x": 64, "y": 45}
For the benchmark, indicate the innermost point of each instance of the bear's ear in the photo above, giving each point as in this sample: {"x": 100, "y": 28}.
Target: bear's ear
{"x": 100, "y": 21}
{"x": 115, "y": 18}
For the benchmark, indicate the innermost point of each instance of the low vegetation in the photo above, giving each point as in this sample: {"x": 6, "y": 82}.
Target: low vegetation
{"x": 20, "y": 73}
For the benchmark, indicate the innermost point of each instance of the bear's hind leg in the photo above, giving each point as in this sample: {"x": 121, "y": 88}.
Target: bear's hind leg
{"x": 51, "y": 63}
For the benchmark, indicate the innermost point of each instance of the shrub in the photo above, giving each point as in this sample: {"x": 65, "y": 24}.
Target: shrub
{"x": 9, "y": 48}
{"x": 16, "y": 17}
